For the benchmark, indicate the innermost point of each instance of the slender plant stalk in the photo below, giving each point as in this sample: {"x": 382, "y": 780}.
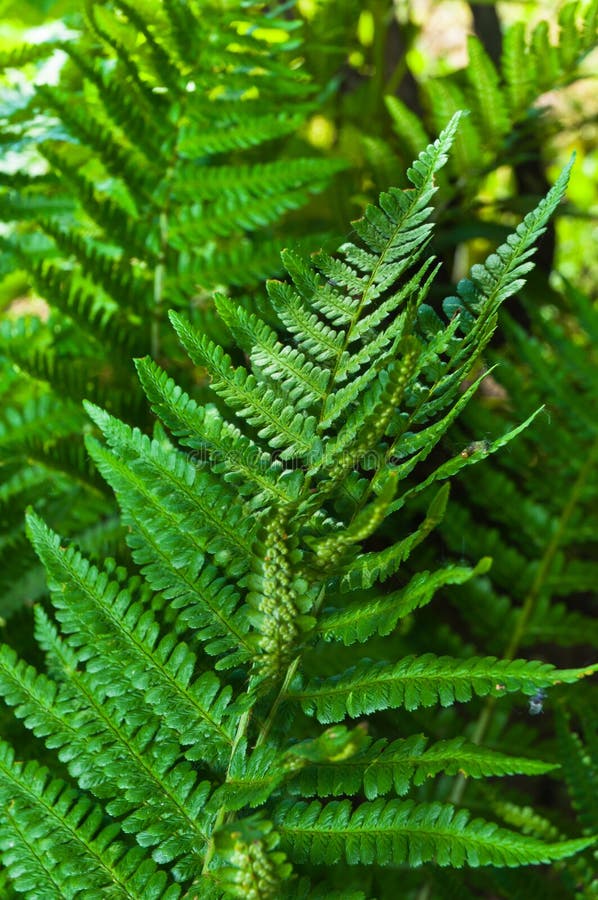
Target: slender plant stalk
{"x": 159, "y": 284}
{"x": 221, "y": 814}
{"x": 529, "y": 604}
{"x": 485, "y": 718}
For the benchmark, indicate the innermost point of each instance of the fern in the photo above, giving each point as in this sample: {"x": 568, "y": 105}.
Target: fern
{"x": 394, "y": 831}
{"x": 421, "y": 681}
{"x": 155, "y": 178}
{"x": 501, "y": 98}
{"x": 257, "y": 556}
{"x": 508, "y": 142}
{"x": 378, "y": 768}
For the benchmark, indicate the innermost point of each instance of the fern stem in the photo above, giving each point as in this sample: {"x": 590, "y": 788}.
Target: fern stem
{"x": 221, "y": 814}
{"x": 266, "y": 727}
{"x": 288, "y": 678}
{"x": 159, "y": 282}
{"x": 550, "y": 553}
{"x": 529, "y": 605}
{"x": 424, "y": 892}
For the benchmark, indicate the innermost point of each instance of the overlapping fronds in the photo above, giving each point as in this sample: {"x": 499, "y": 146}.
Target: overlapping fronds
{"x": 151, "y": 173}
{"x": 262, "y": 554}
{"x": 538, "y": 513}
{"x": 501, "y": 97}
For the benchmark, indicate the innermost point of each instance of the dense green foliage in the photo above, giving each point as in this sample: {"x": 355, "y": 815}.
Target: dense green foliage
{"x": 146, "y": 187}
{"x": 283, "y": 662}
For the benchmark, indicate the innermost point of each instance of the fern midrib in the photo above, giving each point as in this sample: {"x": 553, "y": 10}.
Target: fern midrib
{"x": 262, "y": 735}
{"x": 223, "y": 815}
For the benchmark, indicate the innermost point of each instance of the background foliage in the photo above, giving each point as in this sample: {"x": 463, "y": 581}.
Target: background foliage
{"x": 155, "y": 162}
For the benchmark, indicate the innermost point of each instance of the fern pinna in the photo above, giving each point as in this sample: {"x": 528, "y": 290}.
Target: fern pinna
{"x": 217, "y": 736}
{"x": 159, "y": 166}
{"x": 534, "y": 512}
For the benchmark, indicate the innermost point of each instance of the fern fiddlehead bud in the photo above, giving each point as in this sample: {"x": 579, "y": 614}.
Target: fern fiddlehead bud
{"x": 364, "y": 437}
{"x": 274, "y": 596}
{"x": 253, "y": 869}
{"x": 257, "y": 873}
{"x": 329, "y": 551}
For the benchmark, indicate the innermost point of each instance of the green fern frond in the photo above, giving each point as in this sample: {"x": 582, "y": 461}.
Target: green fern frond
{"x": 369, "y": 568}
{"x": 99, "y": 265}
{"x": 126, "y": 644}
{"x": 502, "y": 274}
{"x": 162, "y": 473}
{"x": 277, "y": 422}
{"x": 381, "y": 768}
{"x": 304, "y": 383}
{"x": 424, "y": 681}
{"x": 261, "y": 555}
{"x": 407, "y": 126}
{"x": 43, "y": 810}
{"x": 545, "y": 55}
{"x": 27, "y": 53}
{"x": 119, "y": 159}
{"x": 484, "y": 95}
{"x": 360, "y": 620}
{"x": 382, "y": 832}
{"x": 82, "y": 727}
{"x": 40, "y": 420}
{"x": 518, "y": 68}
{"x": 444, "y": 98}
{"x": 209, "y": 602}
{"x": 580, "y": 772}
{"x": 251, "y": 469}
